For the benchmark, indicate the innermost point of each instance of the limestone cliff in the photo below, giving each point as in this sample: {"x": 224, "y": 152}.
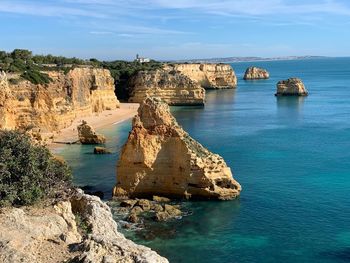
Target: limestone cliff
{"x": 256, "y": 73}
{"x": 51, "y": 234}
{"x": 173, "y": 87}
{"x": 51, "y": 107}
{"x": 291, "y": 87}
{"x": 7, "y": 111}
{"x": 209, "y": 76}
{"x": 160, "y": 158}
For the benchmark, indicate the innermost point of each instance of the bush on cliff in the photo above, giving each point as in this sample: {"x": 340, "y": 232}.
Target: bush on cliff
{"x": 28, "y": 173}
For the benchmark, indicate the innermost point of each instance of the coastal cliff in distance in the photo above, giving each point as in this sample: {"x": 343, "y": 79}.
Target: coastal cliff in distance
{"x": 160, "y": 158}
{"x": 209, "y": 76}
{"x": 174, "y": 88}
{"x": 53, "y": 106}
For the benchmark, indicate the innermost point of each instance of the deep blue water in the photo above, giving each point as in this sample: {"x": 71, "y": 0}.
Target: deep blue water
{"x": 291, "y": 156}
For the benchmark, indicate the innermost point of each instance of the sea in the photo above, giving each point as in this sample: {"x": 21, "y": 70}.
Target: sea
{"x": 290, "y": 154}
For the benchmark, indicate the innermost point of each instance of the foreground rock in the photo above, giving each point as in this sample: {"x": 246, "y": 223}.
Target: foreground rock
{"x": 51, "y": 107}
{"x": 209, "y": 76}
{"x": 160, "y": 158}
{"x": 291, "y": 87}
{"x": 87, "y": 135}
{"x": 256, "y": 73}
{"x": 51, "y": 234}
{"x": 169, "y": 85}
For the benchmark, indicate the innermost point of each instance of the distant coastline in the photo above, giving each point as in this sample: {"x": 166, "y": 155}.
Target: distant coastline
{"x": 246, "y": 59}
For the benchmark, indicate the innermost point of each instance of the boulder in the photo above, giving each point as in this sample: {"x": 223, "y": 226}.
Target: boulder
{"x": 256, "y": 73}
{"x": 160, "y": 158}
{"x": 101, "y": 150}
{"x": 162, "y": 216}
{"x": 291, "y": 87}
{"x": 133, "y": 218}
{"x": 87, "y": 135}
{"x": 172, "y": 210}
{"x": 160, "y": 199}
{"x": 128, "y": 203}
{"x": 144, "y": 204}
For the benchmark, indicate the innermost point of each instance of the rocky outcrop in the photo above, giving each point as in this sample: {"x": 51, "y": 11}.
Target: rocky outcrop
{"x": 291, "y": 87}
{"x": 51, "y": 234}
{"x": 160, "y": 158}
{"x": 209, "y": 76}
{"x": 87, "y": 135}
{"x": 173, "y": 87}
{"x": 256, "y": 73}
{"x": 51, "y": 107}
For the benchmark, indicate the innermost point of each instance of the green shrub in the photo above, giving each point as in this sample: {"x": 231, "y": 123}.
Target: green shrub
{"x": 36, "y": 77}
{"x": 28, "y": 173}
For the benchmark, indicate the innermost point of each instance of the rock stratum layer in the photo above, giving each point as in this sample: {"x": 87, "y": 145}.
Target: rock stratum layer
{"x": 209, "y": 76}
{"x": 160, "y": 158}
{"x": 256, "y": 73}
{"x": 173, "y": 87}
{"x": 51, "y": 234}
{"x": 291, "y": 87}
{"x": 51, "y": 107}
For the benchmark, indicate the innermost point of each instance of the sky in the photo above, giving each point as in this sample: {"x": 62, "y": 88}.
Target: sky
{"x": 176, "y": 29}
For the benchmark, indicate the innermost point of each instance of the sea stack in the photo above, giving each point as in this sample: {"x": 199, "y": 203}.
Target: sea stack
{"x": 291, "y": 87}
{"x": 87, "y": 135}
{"x": 256, "y": 73}
{"x": 160, "y": 158}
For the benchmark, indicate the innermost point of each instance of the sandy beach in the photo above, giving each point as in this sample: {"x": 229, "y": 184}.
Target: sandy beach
{"x": 98, "y": 121}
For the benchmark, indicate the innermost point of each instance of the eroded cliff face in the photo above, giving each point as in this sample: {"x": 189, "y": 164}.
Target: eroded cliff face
{"x": 7, "y": 112}
{"x": 209, "y": 76}
{"x": 49, "y": 108}
{"x": 172, "y": 87}
{"x": 51, "y": 234}
{"x": 160, "y": 158}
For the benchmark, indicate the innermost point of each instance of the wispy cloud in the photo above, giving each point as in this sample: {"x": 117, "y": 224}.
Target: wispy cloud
{"x": 45, "y": 9}
{"x": 101, "y": 32}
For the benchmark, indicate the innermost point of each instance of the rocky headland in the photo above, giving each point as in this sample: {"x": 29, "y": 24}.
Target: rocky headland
{"x": 173, "y": 87}
{"x": 209, "y": 76}
{"x": 256, "y": 73}
{"x": 291, "y": 87}
{"x": 160, "y": 158}
{"x": 50, "y": 107}
{"x": 78, "y": 229}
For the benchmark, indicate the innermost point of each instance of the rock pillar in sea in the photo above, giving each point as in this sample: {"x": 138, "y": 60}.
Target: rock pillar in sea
{"x": 291, "y": 87}
{"x": 160, "y": 158}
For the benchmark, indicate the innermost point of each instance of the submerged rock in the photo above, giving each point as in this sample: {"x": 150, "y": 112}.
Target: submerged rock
{"x": 87, "y": 135}
{"x": 160, "y": 158}
{"x": 256, "y": 73}
{"x": 291, "y": 87}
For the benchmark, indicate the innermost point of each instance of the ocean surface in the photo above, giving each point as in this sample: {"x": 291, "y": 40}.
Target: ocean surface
{"x": 291, "y": 156}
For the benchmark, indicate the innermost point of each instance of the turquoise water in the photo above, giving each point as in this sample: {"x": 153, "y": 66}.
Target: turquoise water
{"x": 291, "y": 156}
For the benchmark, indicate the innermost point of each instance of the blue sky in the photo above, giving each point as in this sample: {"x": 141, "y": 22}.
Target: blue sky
{"x": 176, "y": 29}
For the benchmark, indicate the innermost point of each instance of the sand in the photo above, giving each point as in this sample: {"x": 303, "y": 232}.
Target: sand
{"x": 98, "y": 121}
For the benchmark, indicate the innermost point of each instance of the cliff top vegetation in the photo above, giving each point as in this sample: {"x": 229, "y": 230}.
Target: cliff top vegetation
{"x": 32, "y": 67}
{"x": 28, "y": 173}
